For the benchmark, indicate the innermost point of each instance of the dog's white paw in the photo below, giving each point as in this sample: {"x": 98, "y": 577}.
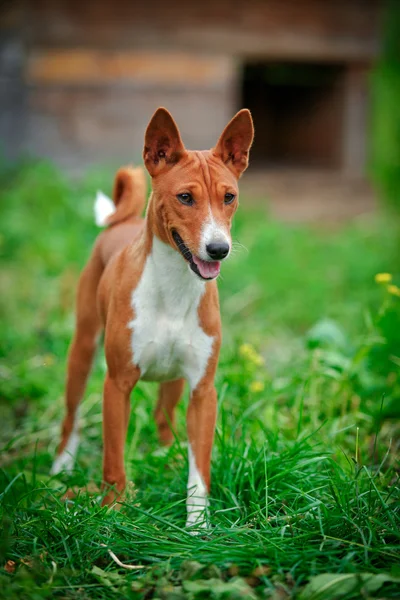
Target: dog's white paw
{"x": 197, "y": 508}
{"x": 197, "y": 522}
{"x": 66, "y": 460}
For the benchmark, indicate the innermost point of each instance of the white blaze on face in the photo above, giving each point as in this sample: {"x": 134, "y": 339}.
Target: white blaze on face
{"x": 212, "y": 232}
{"x": 197, "y": 501}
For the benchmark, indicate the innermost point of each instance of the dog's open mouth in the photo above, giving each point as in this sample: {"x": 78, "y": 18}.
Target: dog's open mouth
{"x": 203, "y": 268}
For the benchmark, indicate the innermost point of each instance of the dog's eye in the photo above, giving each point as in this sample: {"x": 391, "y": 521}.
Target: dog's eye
{"x": 185, "y": 198}
{"x": 229, "y": 198}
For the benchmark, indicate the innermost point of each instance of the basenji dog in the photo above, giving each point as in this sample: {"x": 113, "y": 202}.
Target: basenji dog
{"x": 151, "y": 284}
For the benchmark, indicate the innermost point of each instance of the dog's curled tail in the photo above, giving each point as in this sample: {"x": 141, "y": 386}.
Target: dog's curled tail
{"x": 129, "y": 198}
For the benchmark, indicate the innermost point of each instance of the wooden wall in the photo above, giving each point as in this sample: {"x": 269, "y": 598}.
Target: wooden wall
{"x": 91, "y": 72}
{"x": 345, "y": 29}
{"x": 88, "y": 106}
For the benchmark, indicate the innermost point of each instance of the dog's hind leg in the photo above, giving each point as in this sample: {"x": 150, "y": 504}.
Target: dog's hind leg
{"x": 80, "y": 358}
{"x": 170, "y": 392}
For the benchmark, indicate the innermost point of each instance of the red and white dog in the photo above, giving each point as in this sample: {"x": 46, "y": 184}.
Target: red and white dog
{"x": 151, "y": 284}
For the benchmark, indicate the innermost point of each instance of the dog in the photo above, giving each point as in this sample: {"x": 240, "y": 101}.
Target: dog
{"x": 151, "y": 285}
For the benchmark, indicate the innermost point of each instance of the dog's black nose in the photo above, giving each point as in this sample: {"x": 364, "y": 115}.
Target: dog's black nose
{"x": 217, "y": 250}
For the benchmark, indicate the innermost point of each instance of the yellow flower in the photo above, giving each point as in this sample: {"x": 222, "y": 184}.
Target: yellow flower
{"x": 48, "y": 359}
{"x": 383, "y": 278}
{"x": 394, "y": 290}
{"x": 248, "y": 352}
{"x": 256, "y": 387}
{"x": 258, "y": 360}
{"x": 245, "y": 350}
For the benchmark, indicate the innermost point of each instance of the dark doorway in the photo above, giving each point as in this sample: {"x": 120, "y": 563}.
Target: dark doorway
{"x": 298, "y": 113}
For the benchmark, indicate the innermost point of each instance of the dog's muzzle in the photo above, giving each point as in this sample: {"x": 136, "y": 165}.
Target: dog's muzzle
{"x": 204, "y": 269}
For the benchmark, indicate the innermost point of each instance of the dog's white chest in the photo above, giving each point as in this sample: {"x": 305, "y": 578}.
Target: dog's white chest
{"x": 167, "y": 339}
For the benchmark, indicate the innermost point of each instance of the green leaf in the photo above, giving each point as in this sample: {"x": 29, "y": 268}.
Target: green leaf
{"x": 108, "y": 578}
{"x": 326, "y": 333}
{"x": 235, "y": 589}
{"x": 189, "y": 568}
{"x": 332, "y": 585}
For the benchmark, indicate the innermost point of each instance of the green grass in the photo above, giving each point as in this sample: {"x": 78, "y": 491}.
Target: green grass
{"x": 385, "y": 118}
{"x": 305, "y": 492}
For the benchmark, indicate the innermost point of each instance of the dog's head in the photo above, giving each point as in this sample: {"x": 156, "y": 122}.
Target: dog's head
{"x": 195, "y": 194}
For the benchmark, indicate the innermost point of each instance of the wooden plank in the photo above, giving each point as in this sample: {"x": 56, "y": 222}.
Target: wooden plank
{"x": 309, "y": 28}
{"x": 76, "y": 125}
{"x": 355, "y": 119}
{"x": 82, "y": 66}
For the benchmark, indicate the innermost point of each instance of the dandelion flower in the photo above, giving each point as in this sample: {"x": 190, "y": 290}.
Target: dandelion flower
{"x": 258, "y": 360}
{"x": 394, "y": 290}
{"x": 383, "y": 278}
{"x": 246, "y": 350}
{"x": 256, "y": 387}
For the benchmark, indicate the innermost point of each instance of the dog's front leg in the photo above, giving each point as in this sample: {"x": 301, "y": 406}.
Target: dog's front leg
{"x": 201, "y": 417}
{"x": 116, "y": 410}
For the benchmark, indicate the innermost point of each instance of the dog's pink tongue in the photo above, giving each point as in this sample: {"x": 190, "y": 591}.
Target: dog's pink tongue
{"x": 207, "y": 269}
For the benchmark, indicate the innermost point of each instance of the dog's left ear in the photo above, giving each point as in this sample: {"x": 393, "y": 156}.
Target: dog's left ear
{"x": 234, "y": 144}
{"x": 163, "y": 146}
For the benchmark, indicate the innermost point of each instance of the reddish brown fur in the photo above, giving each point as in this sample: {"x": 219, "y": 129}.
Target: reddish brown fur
{"x": 114, "y": 271}
{"x": 131, "y": 183}
{"x": 129, "y": 194}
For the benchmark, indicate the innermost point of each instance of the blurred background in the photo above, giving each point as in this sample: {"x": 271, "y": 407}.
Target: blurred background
{"x": 80, "y": 81}
{"x": 310, "y": 299}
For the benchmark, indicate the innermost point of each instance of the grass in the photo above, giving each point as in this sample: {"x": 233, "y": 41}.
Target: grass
{"x": 305, "y": 492}
{"x": 385, "y": 120}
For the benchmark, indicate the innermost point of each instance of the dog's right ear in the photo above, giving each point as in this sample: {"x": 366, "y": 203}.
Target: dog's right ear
{"x": 163, "y": 146}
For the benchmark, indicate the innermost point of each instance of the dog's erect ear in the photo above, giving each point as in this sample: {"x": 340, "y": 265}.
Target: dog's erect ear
{"x": 162, "y": 142}
{"x": 234, "y": 144}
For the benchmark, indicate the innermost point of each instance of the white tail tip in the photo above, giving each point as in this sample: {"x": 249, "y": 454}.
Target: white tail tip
{"x": 103, "y": 208}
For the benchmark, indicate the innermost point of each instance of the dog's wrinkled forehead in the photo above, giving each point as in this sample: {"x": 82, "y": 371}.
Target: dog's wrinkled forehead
{"x": 215, "y": 173}
{"x": 199, "y": 172}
